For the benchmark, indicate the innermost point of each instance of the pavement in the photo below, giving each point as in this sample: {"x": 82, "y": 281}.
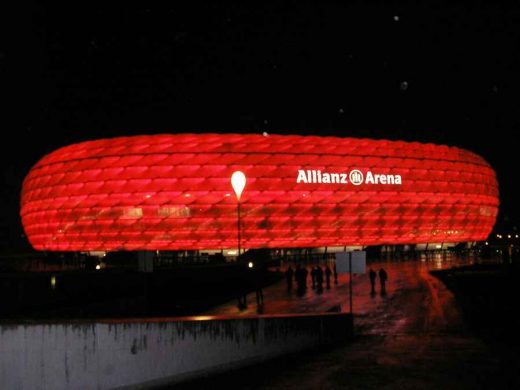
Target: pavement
{"x": 277, "y": 298}
{"x": 414, "y": 337}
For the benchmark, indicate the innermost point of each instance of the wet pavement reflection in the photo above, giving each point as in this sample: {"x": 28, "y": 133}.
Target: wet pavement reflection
{"x": 414, "y": 337}
{"x": 414, "y": 300}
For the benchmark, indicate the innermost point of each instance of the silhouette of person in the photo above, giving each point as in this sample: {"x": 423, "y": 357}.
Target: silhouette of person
{"x": 328, "y": 273}
{"x": 289, "y": 274}
{"x": 304, "y": 278}
{"x": 383, "y": 277}
{"x": 242, "y": 293}
{"x": 258, "y": 282}
{"x": 298, "y": 277}
{"x": 372, "y": 275}
{"x": 313, "y": 276}
{"x": 335, "y": 273}
{"x": 319, "y": 279}
{"x": 301, "y": 279}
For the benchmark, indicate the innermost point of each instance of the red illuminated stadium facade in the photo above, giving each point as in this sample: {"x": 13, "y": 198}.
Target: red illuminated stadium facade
{"x": 173, "y": 192}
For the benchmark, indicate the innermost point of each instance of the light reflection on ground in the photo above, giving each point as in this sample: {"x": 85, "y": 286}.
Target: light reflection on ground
{"x": 414, "y": 337}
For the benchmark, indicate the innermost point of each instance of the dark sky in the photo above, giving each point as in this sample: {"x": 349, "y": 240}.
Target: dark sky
{"x": 439, "y": 72}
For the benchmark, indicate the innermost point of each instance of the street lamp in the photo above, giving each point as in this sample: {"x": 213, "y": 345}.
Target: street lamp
{"x": 238, "y": 181}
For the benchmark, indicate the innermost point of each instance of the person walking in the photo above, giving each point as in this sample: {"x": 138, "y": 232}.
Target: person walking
{"x": 242, "y": 293}
{"x": 319, "y": 279}
{"x": 304, "y": 278}
{"x": 301, "y": 280}
{"x": 328, "y": 273}
{"x": 289, "y": 275}
{"x": 383, "y": 277}
{"x": 258, "y": 280}
{"x": 372, "y": 275}
{"x": 314, "y": 274}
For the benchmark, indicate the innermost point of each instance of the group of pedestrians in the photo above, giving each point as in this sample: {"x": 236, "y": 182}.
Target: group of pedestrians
{"x": 383, "y": 277}
{"x": 318, "y": 277}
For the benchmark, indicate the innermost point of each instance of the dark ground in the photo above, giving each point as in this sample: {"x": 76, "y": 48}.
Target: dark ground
{"x": 488, "y": 295}
{"x": 421, "y": 336}
{"x": 489, "y": 299}
{"x": 442, "y": 329}
{"x": 113, "y": 293}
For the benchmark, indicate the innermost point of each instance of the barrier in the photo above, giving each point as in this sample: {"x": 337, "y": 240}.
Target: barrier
{"x": 118, "y": 353}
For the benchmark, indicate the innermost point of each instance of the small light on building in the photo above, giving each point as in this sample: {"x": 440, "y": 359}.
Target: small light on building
{"x": 250, "y": 265}
{"x": 187, "y": 195}
{"x": 516, "y": 235}
{"x": 509, "y": 236}
{"x": 53, "y": 282}
{"x": 487, "y": 243}
{"x": 98, "y": 266}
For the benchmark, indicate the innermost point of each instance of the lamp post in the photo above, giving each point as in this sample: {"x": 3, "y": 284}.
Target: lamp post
{"x": 238, "y": 181}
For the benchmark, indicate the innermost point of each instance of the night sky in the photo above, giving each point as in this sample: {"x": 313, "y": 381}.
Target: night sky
{"x": 435, "y": 71}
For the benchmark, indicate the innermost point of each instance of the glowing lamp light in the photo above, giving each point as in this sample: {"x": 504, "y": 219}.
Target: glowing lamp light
{"x": 238, "y": 181}
{"x": 250, "y": 265}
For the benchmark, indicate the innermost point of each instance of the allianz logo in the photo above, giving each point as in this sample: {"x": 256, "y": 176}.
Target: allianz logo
{"x": 355, "y": 177}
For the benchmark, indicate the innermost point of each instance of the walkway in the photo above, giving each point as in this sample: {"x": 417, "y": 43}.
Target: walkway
{"x": 412, "y": 338}
{"x": 278, "y": 300}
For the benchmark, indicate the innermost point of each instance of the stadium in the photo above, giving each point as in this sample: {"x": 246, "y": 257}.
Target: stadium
{"x": 173, "y": 192}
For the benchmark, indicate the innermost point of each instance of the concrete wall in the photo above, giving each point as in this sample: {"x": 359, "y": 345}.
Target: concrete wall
{"x": 108, "y": 354}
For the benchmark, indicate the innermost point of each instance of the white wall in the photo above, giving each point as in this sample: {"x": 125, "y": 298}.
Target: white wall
{"x": 108, "y": 354}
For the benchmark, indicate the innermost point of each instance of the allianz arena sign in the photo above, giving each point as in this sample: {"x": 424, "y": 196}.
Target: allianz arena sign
{"x": 173, "y": 192}
{"x": 355, "y": 177}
